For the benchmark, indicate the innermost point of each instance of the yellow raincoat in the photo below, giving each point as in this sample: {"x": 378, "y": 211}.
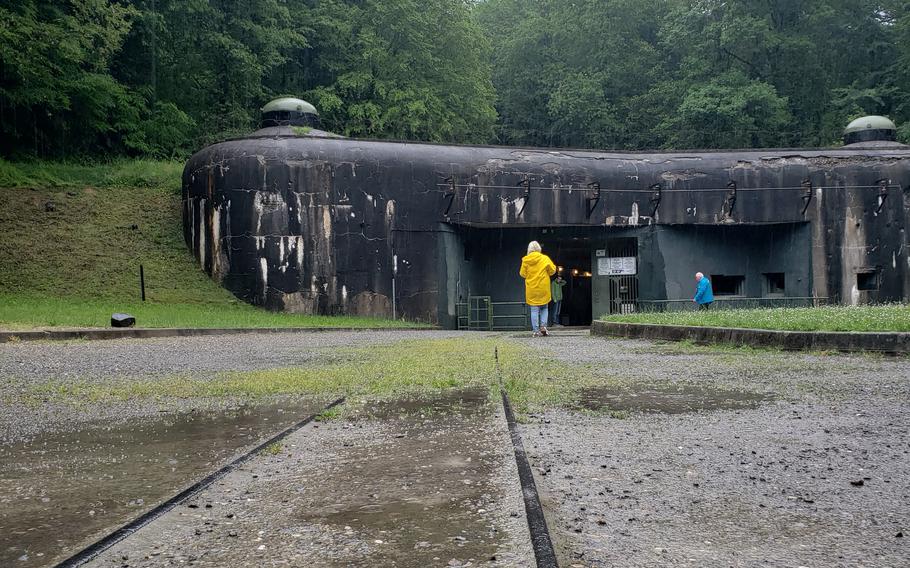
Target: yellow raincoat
{"x": 536, "y": 269}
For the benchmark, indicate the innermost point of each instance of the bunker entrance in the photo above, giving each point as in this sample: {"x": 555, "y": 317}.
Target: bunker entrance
{"x": 488, "y": 264}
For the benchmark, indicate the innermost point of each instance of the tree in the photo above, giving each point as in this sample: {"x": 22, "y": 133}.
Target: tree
{"x": 56, "y": 95}
{"x": 411, "y": 69}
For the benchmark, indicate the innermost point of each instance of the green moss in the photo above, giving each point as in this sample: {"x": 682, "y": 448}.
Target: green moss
{"x": 272, "y": 449}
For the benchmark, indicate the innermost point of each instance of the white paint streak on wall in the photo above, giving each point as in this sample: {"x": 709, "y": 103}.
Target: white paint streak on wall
{"x": 264, "y": 274}
{"x": 202, "y": 230}
{"x": 191, "y": 215}
{"x": 257, "y": 208}
{"x": 217, "y": 268}
{"x": 300, "y": 253}
{"x": 633, "y": 219}
{"x": 344, "y": 294}
{"x": 327, "y": 223}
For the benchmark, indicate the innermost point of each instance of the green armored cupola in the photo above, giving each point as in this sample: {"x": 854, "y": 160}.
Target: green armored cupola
{"x": 870, "y": 129}
{"x": 289, "y": 111}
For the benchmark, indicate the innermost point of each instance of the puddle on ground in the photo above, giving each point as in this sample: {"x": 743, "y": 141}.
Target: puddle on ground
{"x": 424, "y": 489}
{"x": 60, "y": 491}
{"x": 456, "y": 400}
{"x": 671, "y": 399}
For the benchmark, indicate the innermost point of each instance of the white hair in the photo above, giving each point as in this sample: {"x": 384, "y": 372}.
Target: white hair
{"x": 533, "y": 246}
{"x": 699, "y": 275}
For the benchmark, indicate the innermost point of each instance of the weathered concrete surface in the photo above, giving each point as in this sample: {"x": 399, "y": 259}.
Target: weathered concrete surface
{"x": 814, "y": 473}
{"x": 423, "y": 483}
{"x": 153, "y": 332}
{"x": 323, "y": 225}
{"x": 884, "y": 342}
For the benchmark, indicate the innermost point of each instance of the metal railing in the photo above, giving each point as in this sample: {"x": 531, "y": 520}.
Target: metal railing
{"x": 479, "y": 313}
{"x": 732, "y": 303}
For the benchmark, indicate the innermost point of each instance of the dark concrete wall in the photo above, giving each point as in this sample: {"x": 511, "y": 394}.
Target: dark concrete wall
{"x": 315, "y": 225}
{"x": 730, "y": 250}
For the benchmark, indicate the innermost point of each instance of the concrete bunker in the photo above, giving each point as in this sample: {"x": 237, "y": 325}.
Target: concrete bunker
{"x": 298, "y": 219}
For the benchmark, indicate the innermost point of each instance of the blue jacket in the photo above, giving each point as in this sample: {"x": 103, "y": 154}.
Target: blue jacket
{"x": 704, "y": 294}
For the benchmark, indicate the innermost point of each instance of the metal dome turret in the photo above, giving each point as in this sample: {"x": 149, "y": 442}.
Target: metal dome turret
{"x": 289, "y": 111}
{"x": 870, "y": 129}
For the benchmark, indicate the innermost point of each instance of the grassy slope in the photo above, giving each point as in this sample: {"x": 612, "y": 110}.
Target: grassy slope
{"x": 77, "y": 264}
{"x": 894, "y": 317}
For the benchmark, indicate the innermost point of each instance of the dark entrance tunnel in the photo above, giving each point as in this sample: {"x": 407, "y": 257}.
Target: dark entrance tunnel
{"x": 490, "y": 259}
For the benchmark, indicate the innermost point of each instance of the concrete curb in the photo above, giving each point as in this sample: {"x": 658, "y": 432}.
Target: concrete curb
{"x": 883, "y": 342}
{"x": 149, "y": 332}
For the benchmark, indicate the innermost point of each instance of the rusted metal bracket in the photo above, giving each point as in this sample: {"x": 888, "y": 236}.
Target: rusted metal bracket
{"x": 594, "y": 199}
{"x": 655, "y": 198}
{"x": 730, "y": 200}
{"x": 807, "y": 196}
{"x": 450, "y": 194}
{"x": 882, "y": 194}
{"x": 526, "y": 184}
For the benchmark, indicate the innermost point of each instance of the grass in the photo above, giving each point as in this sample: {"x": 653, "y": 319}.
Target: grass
{"x": 22, "y": 313}
{"x": 272, "y": 449}
{"x": 60, "y": 176}
{"x": 403, "y": 369}
{"x": 75, "y": 235}
{"x": 890, "y": 317}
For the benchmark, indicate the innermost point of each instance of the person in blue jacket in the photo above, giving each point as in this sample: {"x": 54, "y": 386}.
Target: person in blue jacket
{"x": 704, "y": 295}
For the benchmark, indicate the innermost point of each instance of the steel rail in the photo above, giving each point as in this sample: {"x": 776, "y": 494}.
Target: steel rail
{"x": 92, "y": 551}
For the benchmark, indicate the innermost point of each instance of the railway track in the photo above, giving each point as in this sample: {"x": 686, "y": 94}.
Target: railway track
{"x": 544, "y": 553}
{"x": 541, "y": 542}
{"x": 91, "y": 551}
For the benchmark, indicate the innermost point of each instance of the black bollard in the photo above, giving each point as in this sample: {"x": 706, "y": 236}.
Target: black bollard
{"x": 142, "y": 281}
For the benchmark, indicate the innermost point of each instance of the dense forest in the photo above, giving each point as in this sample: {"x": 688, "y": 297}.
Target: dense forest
{"x": 160, "y": 78}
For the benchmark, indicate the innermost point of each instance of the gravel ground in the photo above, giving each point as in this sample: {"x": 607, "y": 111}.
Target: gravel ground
{"x": 817, "y": 475}
{"x": 28, "y": 364}
{"x": 423, "y": 484}
{"x": 691, "y": 457}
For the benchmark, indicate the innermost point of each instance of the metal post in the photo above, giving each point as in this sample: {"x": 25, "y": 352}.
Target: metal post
{"x": 142, "y": 281}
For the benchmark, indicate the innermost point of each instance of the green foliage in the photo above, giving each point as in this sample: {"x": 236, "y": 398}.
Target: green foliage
{"x": 730, "y": 112}
{"x": 160, "y": 78}
{"x": 637, "y": 74}
{"x": 893, "y": 317}
{"x": 410, "y": 69}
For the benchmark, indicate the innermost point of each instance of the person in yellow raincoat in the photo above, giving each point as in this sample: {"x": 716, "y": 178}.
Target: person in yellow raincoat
{"x": 536, "y": 269}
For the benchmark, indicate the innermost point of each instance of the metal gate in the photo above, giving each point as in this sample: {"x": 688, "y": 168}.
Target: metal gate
{"x": 479, "y": 313}
{"x": 623, "y": 287}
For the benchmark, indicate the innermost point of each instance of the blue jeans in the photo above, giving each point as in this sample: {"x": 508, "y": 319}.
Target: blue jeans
{"x": 539, "y": 315}
{"x": 556, "y": 307}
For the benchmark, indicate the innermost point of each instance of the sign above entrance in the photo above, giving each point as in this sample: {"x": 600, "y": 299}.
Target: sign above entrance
{"x": 600, "y": 252}
{"x": 617, "y": 266}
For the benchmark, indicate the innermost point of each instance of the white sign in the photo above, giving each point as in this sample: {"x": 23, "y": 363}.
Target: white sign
{"x": 617, "y": 266}
{"x": 600, "y": 252}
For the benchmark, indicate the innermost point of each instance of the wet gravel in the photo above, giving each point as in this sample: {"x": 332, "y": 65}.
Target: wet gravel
{"x": 410, "y": 485}
{"x": 816, "y": 475}
{"x": 26, "y": 365}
